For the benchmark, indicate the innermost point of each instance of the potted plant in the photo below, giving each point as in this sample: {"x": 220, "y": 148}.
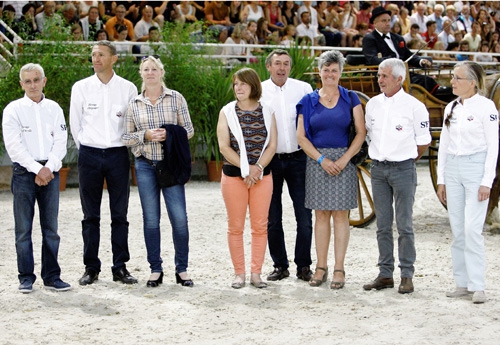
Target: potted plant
{"x": 222, "y": 94}
{"x": 69, "y": 160}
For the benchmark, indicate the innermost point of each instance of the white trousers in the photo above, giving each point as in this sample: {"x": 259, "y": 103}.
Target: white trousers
{"x": 467, "y": 215}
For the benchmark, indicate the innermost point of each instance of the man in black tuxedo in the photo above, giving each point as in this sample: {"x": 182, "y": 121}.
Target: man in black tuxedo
{"x": 381, "y": 44}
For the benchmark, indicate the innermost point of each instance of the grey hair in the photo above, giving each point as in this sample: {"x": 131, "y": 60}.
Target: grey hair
{"x": 439, "y": 6}
{"x": 111, "y": 46}
{"x": 398, "y": 68}
{"x": 31, "y": 67}
{"x": 329, "y": 57}
{"x": 475, "y": 73}
{"x": 68, "y": 6}
{"x": 158, "y": 64}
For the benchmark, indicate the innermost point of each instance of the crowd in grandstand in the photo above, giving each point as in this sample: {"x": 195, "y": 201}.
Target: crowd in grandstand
{"x": 464, "y": 26}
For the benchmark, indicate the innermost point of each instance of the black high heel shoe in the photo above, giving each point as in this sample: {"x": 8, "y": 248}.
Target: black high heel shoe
{"x": 179, "y": 280}
{"x": 155, "y": 283}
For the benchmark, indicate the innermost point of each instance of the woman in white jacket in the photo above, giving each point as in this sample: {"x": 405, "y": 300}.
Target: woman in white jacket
{"x": 467, "y": 158}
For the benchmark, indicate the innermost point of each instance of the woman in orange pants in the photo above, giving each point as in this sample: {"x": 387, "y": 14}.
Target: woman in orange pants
{"x": 247, "y": 138}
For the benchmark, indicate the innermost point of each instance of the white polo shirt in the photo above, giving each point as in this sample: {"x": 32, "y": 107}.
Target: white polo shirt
{"x": 97, "y": 111}
{"x": 35, "y": 132}
{"x": 283, "y": 101}
{"x": 473, "y": 129}
{"x": 396, "y": 126}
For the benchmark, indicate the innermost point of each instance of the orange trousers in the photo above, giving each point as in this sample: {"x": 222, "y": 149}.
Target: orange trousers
{"x": 238, "y": 197}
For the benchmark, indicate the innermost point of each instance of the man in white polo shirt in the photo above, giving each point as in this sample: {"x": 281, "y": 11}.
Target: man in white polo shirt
{"x": 97, "y": 110}
{"x": 35, "y": 137}
{"x": 398, "y": 127}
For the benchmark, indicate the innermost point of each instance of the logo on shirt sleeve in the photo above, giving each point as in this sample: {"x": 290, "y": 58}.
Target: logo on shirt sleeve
{"x": 493, "y": 117}
{"x": 470, "y": 118}
{"x": 399, "y": 128}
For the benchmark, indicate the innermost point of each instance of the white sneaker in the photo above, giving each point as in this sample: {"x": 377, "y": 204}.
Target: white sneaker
{"x": 459, "y": 292}
{"x": 478, "y": 297}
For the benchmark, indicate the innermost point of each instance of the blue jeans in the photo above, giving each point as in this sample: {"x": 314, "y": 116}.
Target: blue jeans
{"x": 293, "y": 171}
{"x": 26, "y": 192}
{"x": 94, "y": 165}
{"x": 395, "y": 181}
{"x": 175, "y": 200}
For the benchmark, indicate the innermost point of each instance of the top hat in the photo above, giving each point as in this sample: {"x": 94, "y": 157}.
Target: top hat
{"x": 378, "y": 11}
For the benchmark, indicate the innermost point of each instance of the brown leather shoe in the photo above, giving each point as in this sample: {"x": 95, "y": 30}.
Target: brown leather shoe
{"x": 406, "y": 286}
{"x": 379, "y": 283}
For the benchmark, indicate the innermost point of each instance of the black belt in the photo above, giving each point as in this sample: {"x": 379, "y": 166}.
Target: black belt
{"x": 42, "y": 162}
{"x": 292, "y": 155}
{"x": 393, "y": 163}
{"x": 234, "y": 171}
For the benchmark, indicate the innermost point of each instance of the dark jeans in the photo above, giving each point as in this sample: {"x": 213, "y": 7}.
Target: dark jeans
{"x": 26, "y": 192}
{"x": 293, "y": 171}
{"x": 175, "y": 201}
{"x": 93, "y": 166}
{"x": 395, "y": 182}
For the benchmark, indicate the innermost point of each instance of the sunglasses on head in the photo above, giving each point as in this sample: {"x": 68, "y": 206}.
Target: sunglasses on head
{"x": 157, "y": 57}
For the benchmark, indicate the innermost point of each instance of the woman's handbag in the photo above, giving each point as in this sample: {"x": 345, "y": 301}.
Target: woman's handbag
{"x": 361, "y": 156}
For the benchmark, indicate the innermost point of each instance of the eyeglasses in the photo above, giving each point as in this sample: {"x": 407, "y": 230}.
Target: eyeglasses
{"x": 458, "y": 78}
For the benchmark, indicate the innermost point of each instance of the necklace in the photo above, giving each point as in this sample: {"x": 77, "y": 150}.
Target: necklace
{"x": 154, "y": 99}
{"x": 329, "y": 98}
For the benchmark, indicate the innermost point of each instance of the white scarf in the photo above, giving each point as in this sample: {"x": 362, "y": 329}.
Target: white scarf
{"x": 235, "y": 127}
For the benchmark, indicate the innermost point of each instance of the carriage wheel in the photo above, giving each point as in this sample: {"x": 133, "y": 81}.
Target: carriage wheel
{"x": 365, "y": 213}
{"x": 433, "y": 153}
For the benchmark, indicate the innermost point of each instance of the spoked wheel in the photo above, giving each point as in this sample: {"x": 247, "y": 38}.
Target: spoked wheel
{"x": 365, "y": 213}
{"x": 433, "y": 153}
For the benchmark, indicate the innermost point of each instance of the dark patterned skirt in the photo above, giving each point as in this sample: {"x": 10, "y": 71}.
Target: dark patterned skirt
{"x": 326, "y": 192}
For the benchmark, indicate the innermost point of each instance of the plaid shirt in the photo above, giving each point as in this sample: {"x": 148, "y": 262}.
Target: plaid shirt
{"x": 171, "y": 108}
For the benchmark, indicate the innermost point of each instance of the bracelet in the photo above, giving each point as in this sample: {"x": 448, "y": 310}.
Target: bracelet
{"x": 320, "y": 159}
{"x": 259, "y": 166}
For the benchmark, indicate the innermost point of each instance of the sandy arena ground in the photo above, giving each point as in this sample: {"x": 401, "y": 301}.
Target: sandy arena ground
{"x": 288, "y": 312}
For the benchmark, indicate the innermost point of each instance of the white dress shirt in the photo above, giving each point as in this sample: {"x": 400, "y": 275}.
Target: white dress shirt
{"x": 396, "y": 126}
{"x": 283, "y": 101}
{"x": 35, "y": 132}
{"x": 473, "y": 129}
{"x": 389, "y": 42}
{"x": 97, "y": 111}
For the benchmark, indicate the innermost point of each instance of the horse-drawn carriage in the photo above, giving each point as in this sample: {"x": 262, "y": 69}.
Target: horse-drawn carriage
{"x": 363, "y": 80}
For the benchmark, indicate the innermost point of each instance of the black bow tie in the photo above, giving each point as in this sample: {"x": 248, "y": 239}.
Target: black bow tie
{"x": 385, "y": 36}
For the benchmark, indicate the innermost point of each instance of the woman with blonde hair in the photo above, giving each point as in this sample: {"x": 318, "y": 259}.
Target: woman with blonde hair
{"x": 157, "y": 129}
